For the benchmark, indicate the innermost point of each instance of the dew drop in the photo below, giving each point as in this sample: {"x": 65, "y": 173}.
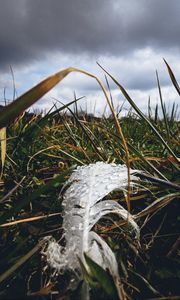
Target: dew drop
{"x": 80, "y": 226}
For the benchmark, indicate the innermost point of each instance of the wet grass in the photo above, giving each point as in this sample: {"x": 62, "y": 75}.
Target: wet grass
{"x": 39, "y": 152}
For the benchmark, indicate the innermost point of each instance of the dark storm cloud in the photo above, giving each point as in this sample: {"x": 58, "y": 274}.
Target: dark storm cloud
{"x": 29, "y": 29}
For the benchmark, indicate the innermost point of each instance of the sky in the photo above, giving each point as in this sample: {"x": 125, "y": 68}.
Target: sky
{"x": 129, "y": 38}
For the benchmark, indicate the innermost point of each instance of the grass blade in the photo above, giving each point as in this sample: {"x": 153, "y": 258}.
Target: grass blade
{"x": 104, "y": 279}
{"x": 140, "y": 113}
{"x": 163, "y": 107}
{"x": 32, "y": 219}
{"x": 3, "y": 147}
{"x": 156, "y": 205}
{"x": 173, "y": 78}
{"x": 10, "y": 112}
{"x": 54, "y": 183}
{"x": 20, "y": 262}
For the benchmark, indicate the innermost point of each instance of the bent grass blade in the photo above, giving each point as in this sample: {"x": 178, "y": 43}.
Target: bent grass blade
{"x": 10, "y": 112}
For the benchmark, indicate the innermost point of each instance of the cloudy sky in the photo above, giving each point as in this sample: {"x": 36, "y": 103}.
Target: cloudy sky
{"x": 129, "y": 38}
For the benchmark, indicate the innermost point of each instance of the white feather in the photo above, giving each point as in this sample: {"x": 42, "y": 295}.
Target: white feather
{"x": 83, "y": 207}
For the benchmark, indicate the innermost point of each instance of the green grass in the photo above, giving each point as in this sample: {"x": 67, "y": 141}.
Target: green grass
{"x": 41, "y": 152}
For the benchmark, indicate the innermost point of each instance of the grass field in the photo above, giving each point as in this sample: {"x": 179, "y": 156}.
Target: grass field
{"x": 38, "y": 153}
